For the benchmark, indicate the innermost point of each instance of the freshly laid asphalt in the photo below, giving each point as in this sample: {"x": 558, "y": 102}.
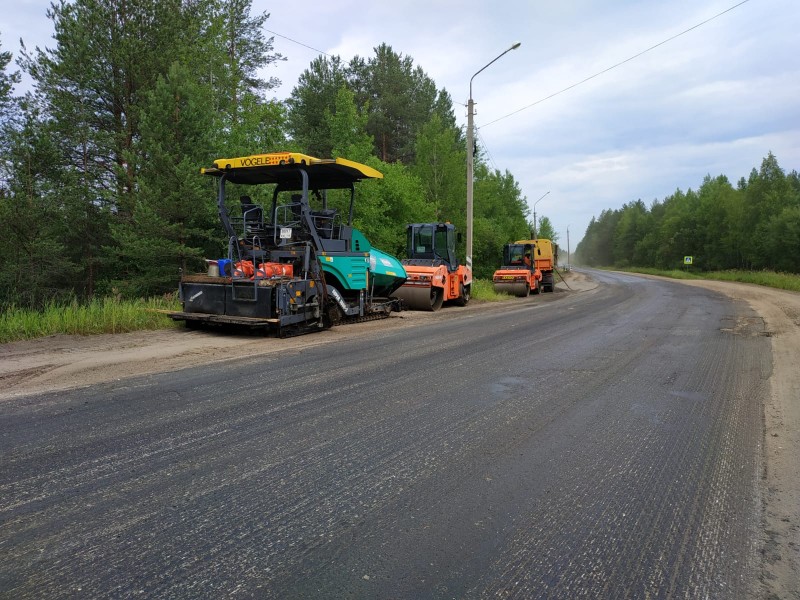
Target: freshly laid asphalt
{"x": 605, "y": 444}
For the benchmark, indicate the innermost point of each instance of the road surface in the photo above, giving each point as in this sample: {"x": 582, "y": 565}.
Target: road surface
{"x": 608, "y": 444}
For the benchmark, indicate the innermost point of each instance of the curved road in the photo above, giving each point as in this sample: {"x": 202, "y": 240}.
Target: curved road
{"x": 605, "y": 444}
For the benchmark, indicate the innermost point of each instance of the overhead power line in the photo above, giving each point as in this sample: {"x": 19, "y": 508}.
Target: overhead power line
{"x": 298, "y": 43}
{"x": 486, "y": 149}
{"x": 574, "y": 85}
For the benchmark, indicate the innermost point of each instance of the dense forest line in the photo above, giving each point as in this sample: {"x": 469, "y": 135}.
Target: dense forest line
{"x": 100, "y": 192}
{"x": 755, "y": 225}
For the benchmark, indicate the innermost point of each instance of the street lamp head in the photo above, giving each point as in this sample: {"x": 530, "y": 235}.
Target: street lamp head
{"x": 514, "y": 46}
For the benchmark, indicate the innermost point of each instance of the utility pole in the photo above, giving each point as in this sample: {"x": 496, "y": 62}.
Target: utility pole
{"x": 568, "y": 268}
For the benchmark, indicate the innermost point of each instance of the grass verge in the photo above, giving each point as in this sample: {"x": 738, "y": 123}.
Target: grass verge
{"x": 105, "y": 315}
{"x": 482, "y": 289}
{"x": 782, "y": 281}
{"x": 111, "y": 315}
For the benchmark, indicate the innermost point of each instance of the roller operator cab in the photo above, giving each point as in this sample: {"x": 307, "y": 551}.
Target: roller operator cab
{"x": 294, "y": 261}
{"x": 434, "y": 275}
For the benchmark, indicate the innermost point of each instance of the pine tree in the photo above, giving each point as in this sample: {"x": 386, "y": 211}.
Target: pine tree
{"x": 107, "y": 55}
{"x": 93, "y": 87}
{"x": 235, "y": 52}
{"x": 314, "y": 94}
{"x": 174, "y": 223}
{"x": 401, "y": 98}
{"x": 7, "y": 82}
{"x": 35, "y": 267}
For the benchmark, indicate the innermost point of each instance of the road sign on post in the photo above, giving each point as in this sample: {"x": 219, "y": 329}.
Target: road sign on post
{"x": 687, "y": 260}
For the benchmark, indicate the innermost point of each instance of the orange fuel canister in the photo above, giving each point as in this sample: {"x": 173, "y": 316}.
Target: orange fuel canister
{"x": 274, "y": 269}
{"x": 244, "y": 268}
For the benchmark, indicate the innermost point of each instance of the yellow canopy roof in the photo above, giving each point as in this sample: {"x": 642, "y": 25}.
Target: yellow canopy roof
{"x": 283, "y": 168}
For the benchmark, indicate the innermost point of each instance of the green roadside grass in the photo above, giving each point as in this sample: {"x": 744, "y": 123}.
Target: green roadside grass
{"x": 781, "y": 281}
{"x": 483, "y": 290}
{"x": 104, "y": 315}
{"x": 111, "y": 315}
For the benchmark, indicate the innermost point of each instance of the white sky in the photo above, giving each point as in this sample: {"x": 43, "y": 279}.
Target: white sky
{"x": 713, "y": 101}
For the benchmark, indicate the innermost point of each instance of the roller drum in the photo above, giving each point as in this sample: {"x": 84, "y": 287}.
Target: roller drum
{"x": 420, "y": 298}
{"x": 521, "y": 290}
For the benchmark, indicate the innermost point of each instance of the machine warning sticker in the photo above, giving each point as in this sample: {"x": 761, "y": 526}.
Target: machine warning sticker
{"x": 286, "y": 233}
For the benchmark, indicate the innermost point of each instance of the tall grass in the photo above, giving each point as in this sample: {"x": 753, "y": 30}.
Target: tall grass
{"x": 105, "y": 315}
{"x": 781, "y": 281}
{"x": 482, "y": 289}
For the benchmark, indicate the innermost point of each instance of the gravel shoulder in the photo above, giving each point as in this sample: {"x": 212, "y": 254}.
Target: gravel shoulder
{"x": 63, "y": 362}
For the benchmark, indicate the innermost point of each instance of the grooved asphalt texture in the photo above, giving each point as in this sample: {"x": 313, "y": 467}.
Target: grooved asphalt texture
{"x": 606, "y": 445}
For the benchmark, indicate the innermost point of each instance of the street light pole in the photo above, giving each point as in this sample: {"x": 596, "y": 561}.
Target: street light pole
{"x": 470, "y": 154}
{"x": 568, "y": 261}
{"x": 534, "y": 213}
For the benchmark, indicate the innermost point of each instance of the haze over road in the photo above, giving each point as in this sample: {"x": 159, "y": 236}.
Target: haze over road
{"x": 604, "y": 445}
